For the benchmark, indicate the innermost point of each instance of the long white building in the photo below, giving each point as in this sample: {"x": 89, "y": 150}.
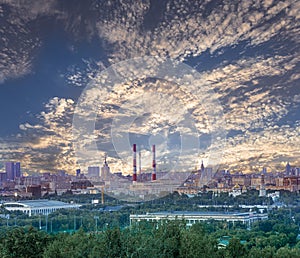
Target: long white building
{"x": 194, "y": 217}
{"x": 35, "y": 207}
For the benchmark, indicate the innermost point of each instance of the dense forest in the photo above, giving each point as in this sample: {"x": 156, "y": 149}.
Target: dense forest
{"x": 168, "y": 239}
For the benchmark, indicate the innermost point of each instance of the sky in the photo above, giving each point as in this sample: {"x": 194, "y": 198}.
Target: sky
{"x": 212, "y": 81}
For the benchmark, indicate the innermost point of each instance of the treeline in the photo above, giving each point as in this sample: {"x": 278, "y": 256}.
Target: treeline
{"x": 168, "y": 239}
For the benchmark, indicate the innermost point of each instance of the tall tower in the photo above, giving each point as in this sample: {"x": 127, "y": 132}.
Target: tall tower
{"x": 105, "y": 170}
{"x": 10, "y": 170}
{"x": 202, "y": 167}
{"x": 200, "y": 174}
{"x": 17, "y": 169}
{"x": 288, "y": 169}
{"x": 262, "y": 188}
{"x": 134, "y": 177}
{"x": 153, "y": 164}
{"x": 78, "y": 171}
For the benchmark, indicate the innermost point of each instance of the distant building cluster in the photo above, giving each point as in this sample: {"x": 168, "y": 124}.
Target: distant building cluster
{"x": 237, "y": 183}
{"x": 97, "y": 180}
{"x": 14, "y": 183}
{"x": 12, "y": 171}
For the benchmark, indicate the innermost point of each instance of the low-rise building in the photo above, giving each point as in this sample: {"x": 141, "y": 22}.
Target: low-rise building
{"x": 35, "y": 207}
{"x": 194, "y": 217}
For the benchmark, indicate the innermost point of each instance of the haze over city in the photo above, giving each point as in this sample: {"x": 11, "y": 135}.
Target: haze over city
{"x": 245, "y": 52}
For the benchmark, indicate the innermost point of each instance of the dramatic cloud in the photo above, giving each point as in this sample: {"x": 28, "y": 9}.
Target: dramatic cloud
{"x": 246, "y": 52}
{"x": 47, "y": 145}
{"x": 190, "y": 28}
{"x": 17, "y": 44}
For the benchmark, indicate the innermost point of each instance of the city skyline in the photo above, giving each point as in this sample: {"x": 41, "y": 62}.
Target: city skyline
{"x": 143, "y": 186}
{"x": 14, "y": 170}
{"x": 245, "y": 53}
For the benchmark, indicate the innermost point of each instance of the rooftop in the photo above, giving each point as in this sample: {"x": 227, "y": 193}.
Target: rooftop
{"x": 37, "y": 203}
{"x": 199, "y": 213}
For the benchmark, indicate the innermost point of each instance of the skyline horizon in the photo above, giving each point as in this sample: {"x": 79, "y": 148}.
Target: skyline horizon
{"x": 149, "y": 169}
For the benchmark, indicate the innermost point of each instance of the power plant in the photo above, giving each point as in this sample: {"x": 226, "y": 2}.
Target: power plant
{"x": 138, "y": 186}
{"x": 134, "y": 174}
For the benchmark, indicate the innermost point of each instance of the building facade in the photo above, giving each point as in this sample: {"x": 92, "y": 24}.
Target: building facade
{"x": 194, "y": 217}
{"x": 38, "y": 207}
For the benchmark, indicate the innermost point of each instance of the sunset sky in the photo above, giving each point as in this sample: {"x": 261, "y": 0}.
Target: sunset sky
{"x": 240, "y": 111}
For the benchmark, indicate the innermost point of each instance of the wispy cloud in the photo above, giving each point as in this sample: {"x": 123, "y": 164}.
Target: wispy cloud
{"x": 257, "y": 87}
{"x": 47, "y": 145}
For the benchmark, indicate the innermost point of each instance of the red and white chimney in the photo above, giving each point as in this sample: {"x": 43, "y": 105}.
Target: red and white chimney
{"x": 134, "y": 163}
{"x": 140, "y": 162}
{"x": 153, "y": 164}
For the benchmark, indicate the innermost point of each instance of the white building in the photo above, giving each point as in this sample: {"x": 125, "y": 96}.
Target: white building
{"x": 194, "y": 217}
{"x": 35, "y": 207}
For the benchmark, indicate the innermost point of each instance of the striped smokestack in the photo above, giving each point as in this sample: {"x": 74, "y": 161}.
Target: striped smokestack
{"x": 153, "y": 164}
{"x": 140, "y": 162}
{"x": 134, "y": 163}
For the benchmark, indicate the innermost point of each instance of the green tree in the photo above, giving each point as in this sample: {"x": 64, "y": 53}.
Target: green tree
{"x": 139, "y": 241}
{"x": 112, "y": 243}
{"x": 286, "y": 252}
{"x": 267, "y": 252}
{"x": 235, "y": 249}
{"x": 195, "y": 242}
{"x": 23, "y": 243}
{"x": 168, "y": 238}
{"x": 76, "y": 245}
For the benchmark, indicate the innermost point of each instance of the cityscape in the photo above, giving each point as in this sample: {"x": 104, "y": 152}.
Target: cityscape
{"x": 100, "y": 179}
{"x": 150, "y": 128}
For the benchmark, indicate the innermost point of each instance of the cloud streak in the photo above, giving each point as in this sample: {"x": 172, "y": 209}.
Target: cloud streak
{"x": 247, "y": 53}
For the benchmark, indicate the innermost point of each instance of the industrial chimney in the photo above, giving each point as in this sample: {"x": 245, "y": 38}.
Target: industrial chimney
{"x": 134, "y": 163}
{"x": 153, "y": 164}
{"x": 140, "y": 162}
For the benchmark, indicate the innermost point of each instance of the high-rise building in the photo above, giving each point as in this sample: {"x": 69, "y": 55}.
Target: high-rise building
{"x": 2, "y": 177}
{"x": 17, "y": 169}
{"x": 105, "y": 170}
{"x": 93, "y": 171}
{"x": 262, "y": 187}
{"x": 297, "y": 171}
{"x": 10, "y": 170}
{"x": 288, "y": 169}
{"x": 78, "y": 171}
{"x": 206, "y": 174}
{"x": 202, "y": 167}
{"x": 13, "y": 170}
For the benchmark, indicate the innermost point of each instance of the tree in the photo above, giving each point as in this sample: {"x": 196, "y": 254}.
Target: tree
{"x": 112, "y": 243}
{"x": 195, "y": 242}
{"x": 168, "y": 238}
{"x": 286, "y": 252}
{"x": 76, "y": 245}
{"x": 235, "y": 249}
{"x": 139, "y": 241}
{"x": 267, "y": 252}
{"x": 23, "y": 243}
